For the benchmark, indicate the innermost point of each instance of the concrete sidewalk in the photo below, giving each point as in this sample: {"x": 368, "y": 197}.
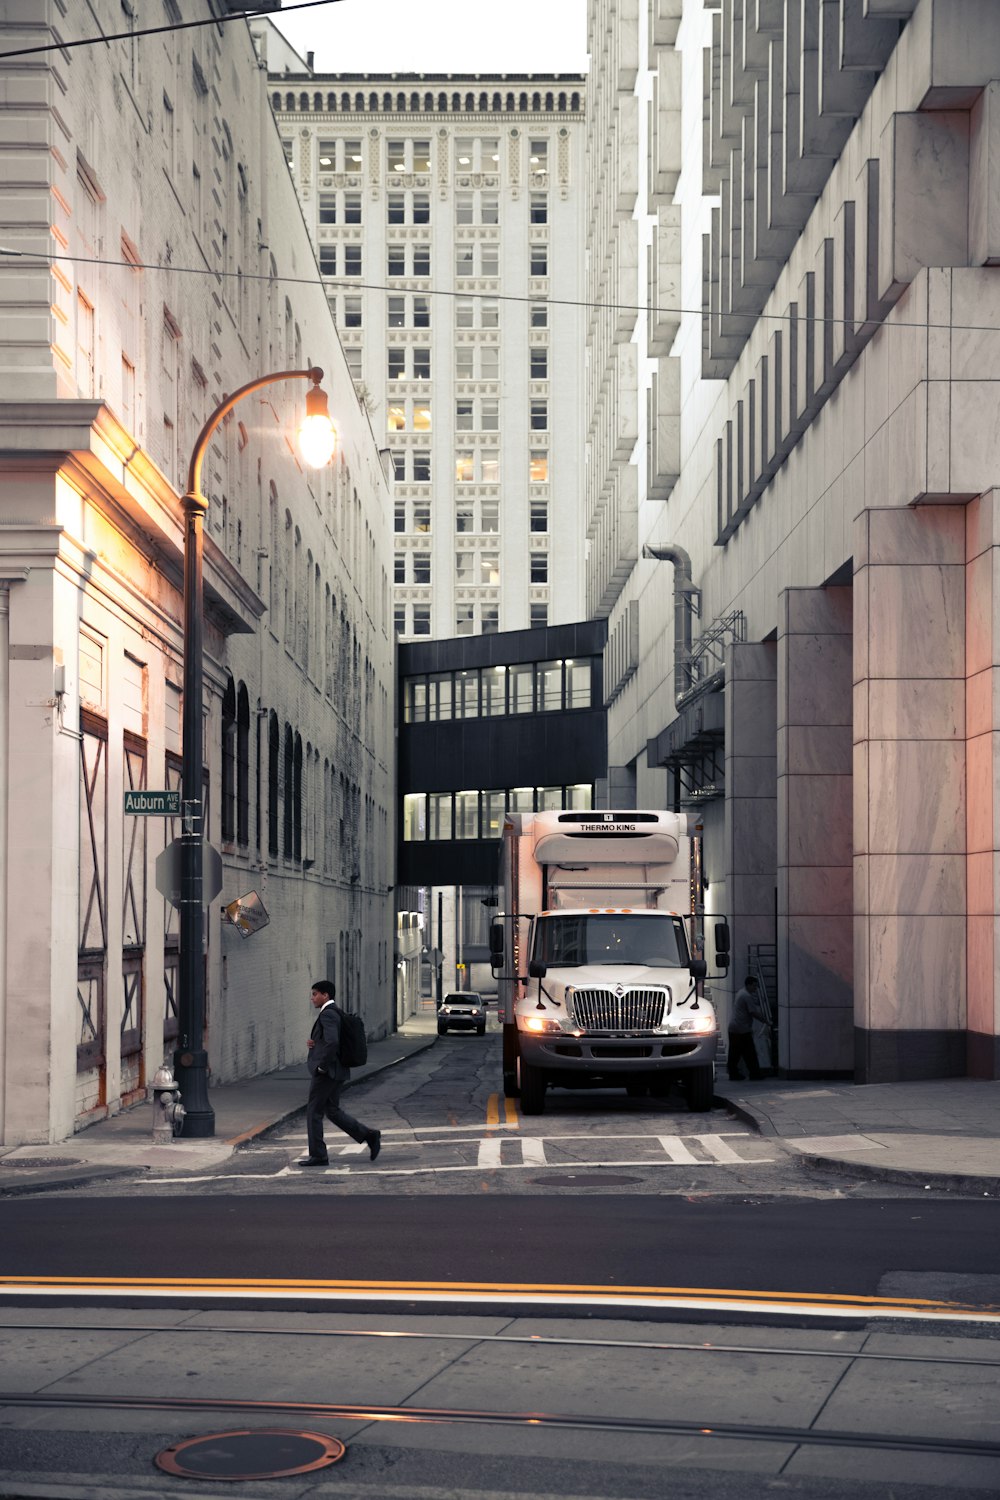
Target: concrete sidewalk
{"x": 123, "y": 1145}
{"x": 942, "y": 1133}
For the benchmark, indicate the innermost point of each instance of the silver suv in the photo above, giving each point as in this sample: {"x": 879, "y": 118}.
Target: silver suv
{"x": 463, "y": 1010}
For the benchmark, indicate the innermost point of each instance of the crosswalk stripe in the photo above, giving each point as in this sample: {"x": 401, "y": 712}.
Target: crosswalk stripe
{"x": 717, "y": 1148}
{"x": 677, "y": 1152}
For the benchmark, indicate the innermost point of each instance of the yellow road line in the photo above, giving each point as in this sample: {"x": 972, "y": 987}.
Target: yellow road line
{"x": 511, "y": 1114}
{"x": 493, "y": 1110}
{"x": 609, "y": 1295}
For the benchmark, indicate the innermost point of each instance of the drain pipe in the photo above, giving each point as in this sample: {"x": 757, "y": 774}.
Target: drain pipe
{"x": 686, "y": 596}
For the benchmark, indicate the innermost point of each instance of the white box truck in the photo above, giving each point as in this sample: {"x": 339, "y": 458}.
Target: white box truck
{"x": 598, "y": 954}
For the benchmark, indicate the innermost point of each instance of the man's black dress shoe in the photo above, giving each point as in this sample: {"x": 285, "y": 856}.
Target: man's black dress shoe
{"x": 312, "y": 1161}
{"x": 374, "y": 1143}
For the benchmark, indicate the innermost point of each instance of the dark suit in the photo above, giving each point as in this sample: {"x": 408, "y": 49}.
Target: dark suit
{"x": 328, "y": 1078}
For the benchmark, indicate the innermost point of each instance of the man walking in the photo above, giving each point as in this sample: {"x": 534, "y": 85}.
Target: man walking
{"x": 746, "y": 1009}
{"x": 329, "y": 1075}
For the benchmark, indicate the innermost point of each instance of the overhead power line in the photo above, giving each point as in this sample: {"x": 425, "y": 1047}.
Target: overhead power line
{"x": 129, "y": 36}
{"x": 353, "y": 284}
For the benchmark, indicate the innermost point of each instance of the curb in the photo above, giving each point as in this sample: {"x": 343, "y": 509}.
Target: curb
{"x": 85, "y": 1177}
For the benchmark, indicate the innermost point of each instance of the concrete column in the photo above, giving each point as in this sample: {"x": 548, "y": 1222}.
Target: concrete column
{"x": 982, "y": 715}
{"x": 814, "y": 833}
{"x": 751, "y": 804}
{"x": 910, "y": 792}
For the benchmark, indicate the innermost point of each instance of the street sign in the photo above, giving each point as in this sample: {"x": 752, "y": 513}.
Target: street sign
{"x": 168, "y": 872}
{"x": 247, "y": 914}
{"x": 153, "y": 804}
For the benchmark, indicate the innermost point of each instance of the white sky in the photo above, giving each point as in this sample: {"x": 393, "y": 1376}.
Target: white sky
{"x": 442, "y": 36}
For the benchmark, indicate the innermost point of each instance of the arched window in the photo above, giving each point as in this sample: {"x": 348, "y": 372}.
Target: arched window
{"x": 331, "y": 103}
{"x": 345, "y": 104}
{"x": 297, "y": 799}
{"x": 497, "y": 104}
{"x": 304, "y": 103}
{"x": 359, "y": 103}
{"x": 510, "y": 101}
{"x": 536, "y": 101}
{"x": 562, "y": 103}
{"x": 387, "y": 103}
{"x": 276, "y": 102}
{"x": 524, "y": 101}
{"x": 428, "y": 103}
{"x": 456, "y": 102}
{"x": 373, "y": 103}
{"x": 287, "y": 820}
{"x": 548, "y": 101}
{"x": 470, "y": 102}
{"x": 242, "y": 767}
{"x": 289, "y": 103}
{"x": 484, "y": 102}
{"x": 229, "y": 762}
{"x": 443, "y": 103}
{"x": 575, "y": 102}
{"x": 273, "y": 757}
{"x": 318, "y": 103}
{"x": 415, "y": 103}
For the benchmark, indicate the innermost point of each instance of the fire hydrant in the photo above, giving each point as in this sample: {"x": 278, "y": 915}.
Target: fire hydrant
{"x": 168, "y": 1111}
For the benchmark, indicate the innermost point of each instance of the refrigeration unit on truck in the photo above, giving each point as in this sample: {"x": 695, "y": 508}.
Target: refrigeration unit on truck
{"x": 598, "y": 953}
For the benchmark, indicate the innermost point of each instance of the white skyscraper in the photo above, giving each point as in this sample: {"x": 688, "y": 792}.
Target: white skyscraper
{"x": 447, "y": 216}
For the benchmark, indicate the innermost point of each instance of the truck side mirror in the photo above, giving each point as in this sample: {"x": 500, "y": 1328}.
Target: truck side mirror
{"x": 536, "y": 969}
{"x": 698, "y": 968}
{"x": 722, "y": 945}
{"x": 496, "y": 944}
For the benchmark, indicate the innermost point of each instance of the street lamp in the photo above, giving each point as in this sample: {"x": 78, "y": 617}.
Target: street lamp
{"x": 317, "y": 440}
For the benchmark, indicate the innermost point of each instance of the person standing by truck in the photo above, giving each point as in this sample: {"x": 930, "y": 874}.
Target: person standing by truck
{"x": 746, "y": 1009}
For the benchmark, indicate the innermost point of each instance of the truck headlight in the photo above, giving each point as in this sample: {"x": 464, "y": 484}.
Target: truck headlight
{"x": 703, "y": 1022}
{"x": 543, "y": 1024}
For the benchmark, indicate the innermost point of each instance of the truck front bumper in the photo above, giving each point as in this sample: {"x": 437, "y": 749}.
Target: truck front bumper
{"x": 604, "y": 1053}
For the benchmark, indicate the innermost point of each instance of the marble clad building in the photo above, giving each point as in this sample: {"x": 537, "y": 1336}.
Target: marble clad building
{"x": 155, "y": 259}
{"x": 446, "y": 212}
{"x": 804, "y": 196}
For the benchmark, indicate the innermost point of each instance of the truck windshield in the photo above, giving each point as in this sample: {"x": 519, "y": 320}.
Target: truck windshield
{"x": 610, "y": 938}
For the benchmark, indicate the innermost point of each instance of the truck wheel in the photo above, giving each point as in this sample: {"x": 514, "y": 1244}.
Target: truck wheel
{"x": 700, "y": 1084}
{"x": 636, "y": 1088}
{"x": 660, "y": 1087}
{"x": 532, "y": 1089}
{"x": 481, "y": 1030}
{"x": 510, "y": 1088}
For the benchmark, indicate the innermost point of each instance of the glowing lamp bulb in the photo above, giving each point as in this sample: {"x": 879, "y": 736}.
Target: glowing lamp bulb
{"x": 317, "y": 435}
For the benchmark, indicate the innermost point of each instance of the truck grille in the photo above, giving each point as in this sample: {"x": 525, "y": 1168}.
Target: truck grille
{"x": 634, "y": 1010}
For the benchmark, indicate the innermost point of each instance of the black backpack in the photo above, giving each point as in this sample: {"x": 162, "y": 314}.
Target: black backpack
{"x": 353, "y": 1041}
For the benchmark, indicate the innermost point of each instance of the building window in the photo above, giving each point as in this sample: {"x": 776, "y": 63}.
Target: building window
{"x": 352, "y": 156}
{"x": 399, "y": 509}
{"x": 539, "y": 468}
{"x": 421, "y": 518}
{"x": 539, "y": 515}
{"x": 489, "y": 208}
{"x": 489, "y": 313}
{"x": 540, "y": 415}
{"x": 494, "y": 690}
{"x": 396, "y": 208}
{"x": 415, "y": 700}
{"x": 352, "y": 312}
{"x": 539, "y": 572}
{"x": 421, "y": 364}
{"x": 464, "y": 520}
{"x": 521, "y": 687}
{"x": 399, "y": 619}
{"x": 465, "y": 566}
{"x": 464, "y": 621}
{"x": 464, "y": 261}
{"x": 489, "y": 469}
{"x": 421, "y": 208}
{"x": 414, "y": 817}
{"x": 466, "y": 683}
{"x": 493, "y": 811}
{"x": 489, "y": 414}
{"x": 353, "y": 358}
{"x": 396, "y": 363}
{"x": 539, "y": 260}
{"x": 489, "y": 568}
{"x": 439, "y": 824}
{"x": 328, "y": 208}
{"x": 352, "y": 208}
{"x": 421, "y": 156}
{"x": 422, "y": 469}
{"x": 465, "y": 469}
{"x": 396, "y": 417}
{"x": 578, "y": 684}
{"x": 398, "y": 471}
{"x": 421, "y": 260}
{"x": 490, "y": 619}
{"x": 328, "y": 260}
{"x": 464, "y": 312}
{"x": 465, "y": 362}
{"x": 538, "y": 158}
{"x": 421, "y": 416}
{"x": 395, "y": 260}
{"x": 397, "y": 312}
{"x": 463, "y": 416}
{"x": 466, "y": 815}
{"x": 327, "y": 155}
{"x": 489, "y": 516}
{"x": 489, "y": 366}
{"x": 539, "y": 208}
{"x": 421, "y": 567}
{"x": 421, "y": 619}
{"x": 489, "y": 260}
{"x": 539, "y": 315}
{"x": 421, "y": 312}
{"x": 439, "y": 696}
{"x": 464, "y": 208}
{"x": 352, "y": 260}
{"x": 539, "y": 364}
{"x": 399, "y": 568}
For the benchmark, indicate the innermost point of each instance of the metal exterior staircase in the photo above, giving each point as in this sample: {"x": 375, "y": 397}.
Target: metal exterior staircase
{"x": 762, "y": 963}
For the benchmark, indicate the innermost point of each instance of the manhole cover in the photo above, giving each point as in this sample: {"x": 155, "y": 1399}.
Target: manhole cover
{"x": 583, "y": 1179}
{"x": 44, "y": 1161}
{"x": 267, "y": 1453}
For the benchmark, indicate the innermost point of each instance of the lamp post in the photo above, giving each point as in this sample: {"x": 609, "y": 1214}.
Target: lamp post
{"x": 316, "y": 440}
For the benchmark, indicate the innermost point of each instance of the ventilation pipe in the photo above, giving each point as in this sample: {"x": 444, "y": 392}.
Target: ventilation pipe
{"x": 687, "y": 598}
